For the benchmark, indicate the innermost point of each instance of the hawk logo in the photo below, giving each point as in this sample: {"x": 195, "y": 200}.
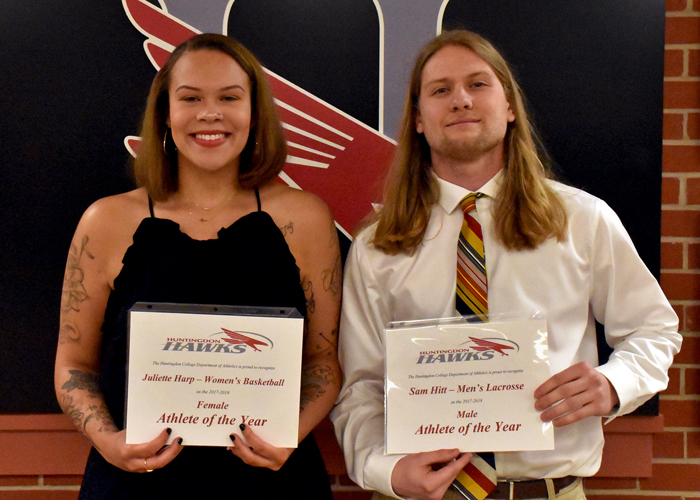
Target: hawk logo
{"x": 483, "y": 345}
{"x": 475, "y": 349}
{"x": 236, "y": 338}
{"x": 329, "y": 152}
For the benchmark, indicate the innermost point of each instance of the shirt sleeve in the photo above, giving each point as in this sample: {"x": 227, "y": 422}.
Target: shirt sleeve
{"x": 640, "y": 324}
{"x": 359, "y": 413}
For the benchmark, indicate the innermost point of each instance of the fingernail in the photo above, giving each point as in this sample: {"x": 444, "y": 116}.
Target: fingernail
{"x": 233, "y": 438}
{"x": 242, "y": 426}
{"x": 169, "y": 431}
{"x": 179, "y": 441}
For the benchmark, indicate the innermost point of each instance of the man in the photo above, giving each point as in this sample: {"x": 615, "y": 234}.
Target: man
{"x": 549, "y": 249}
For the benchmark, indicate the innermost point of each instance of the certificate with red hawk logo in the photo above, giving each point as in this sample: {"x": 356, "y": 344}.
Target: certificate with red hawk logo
{"x": 454, "y": 384}
{"x": 203, "y": 370}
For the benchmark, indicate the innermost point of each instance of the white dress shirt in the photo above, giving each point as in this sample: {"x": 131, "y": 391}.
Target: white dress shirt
{"x": 594, "y": 274}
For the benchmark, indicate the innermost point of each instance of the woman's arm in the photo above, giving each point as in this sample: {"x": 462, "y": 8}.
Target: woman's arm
{"x": 94, "y": 259}
{"x": 312, "y": 237}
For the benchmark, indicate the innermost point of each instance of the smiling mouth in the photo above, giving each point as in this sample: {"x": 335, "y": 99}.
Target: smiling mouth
{"x": 209, "y": 137}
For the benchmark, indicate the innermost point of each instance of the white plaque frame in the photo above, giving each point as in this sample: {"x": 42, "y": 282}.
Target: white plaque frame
{"x": 202, "y": 370}
{"x": 450, "y": 383}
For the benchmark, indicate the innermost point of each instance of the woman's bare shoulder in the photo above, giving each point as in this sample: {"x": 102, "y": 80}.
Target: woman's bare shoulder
{"x": 116, "y": 211}
{"x": 288, "y": 203}
{"x": 111, "y": 222}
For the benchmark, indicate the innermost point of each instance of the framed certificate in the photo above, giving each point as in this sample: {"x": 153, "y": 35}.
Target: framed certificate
{"x": 203, "y": 370}
{"x": 453, "y": 384}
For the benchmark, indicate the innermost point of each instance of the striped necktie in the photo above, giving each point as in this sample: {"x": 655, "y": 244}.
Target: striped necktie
{"x": 478, "y": 478}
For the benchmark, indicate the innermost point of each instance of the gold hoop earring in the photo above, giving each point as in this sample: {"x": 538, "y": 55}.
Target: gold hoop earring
{"x": 165, "y": 142}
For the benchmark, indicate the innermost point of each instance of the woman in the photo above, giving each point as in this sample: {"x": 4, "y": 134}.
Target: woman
{"x": 207, "y": 225}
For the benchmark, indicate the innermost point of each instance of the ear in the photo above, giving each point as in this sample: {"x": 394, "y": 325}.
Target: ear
{"x": 511, "y": 114}
{"x": 419, "y": 123}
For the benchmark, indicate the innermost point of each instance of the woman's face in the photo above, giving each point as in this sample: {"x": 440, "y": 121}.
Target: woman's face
{"x": 210, "y": 110}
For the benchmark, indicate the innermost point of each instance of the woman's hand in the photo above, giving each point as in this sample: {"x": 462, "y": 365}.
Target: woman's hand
{"x": 144, "y": 457}
{"x": 257, "y": 452}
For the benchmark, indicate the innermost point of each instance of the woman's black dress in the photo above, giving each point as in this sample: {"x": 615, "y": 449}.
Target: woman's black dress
{"x": 248, "y": 264}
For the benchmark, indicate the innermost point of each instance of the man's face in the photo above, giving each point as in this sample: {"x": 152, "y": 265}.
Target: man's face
{"x": 462, "y": 109}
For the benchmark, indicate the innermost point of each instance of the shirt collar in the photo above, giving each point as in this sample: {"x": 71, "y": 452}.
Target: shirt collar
{"x": 451, "y": 194}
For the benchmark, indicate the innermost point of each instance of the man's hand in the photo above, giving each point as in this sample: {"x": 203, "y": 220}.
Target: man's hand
{"x": 427, "y": 476}
{"x": 571, "y": 395}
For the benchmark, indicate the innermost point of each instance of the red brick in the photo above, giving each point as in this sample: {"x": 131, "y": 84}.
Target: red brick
{"x": 692, "y": 381}
{"x": 678, "y": 309}
{"x": 680, "y": 413}
{"x": 668, "y": 445}
{"x": 673, "y": 63}
{"x": 681, "y": 95}
{"x": 674, "y": 382}
{"x": 693, "y": 191}
{"x": 690, "y": 350}
{"x": 672, "y": 255}
{"x": 691, "y": 323}
{"x": 694, "y": 62}
{"x": 693, "y": 126}
{"x": 681, "y": 286}
{"x": 19, "y": 480}
{"x": 680, "y": 223}
{"x": 693, "y": 256}
{"x": 670, "y": 190}
{"x": 673, "y": 477}
{"x": 681, "y": 158}
{"x": 48, "y": 494}
{"x": 673, "y": 126}
{"x": 607, "y": 483}
{"x": 682, "y": 30}
{"x": 63, "y": 480}
{"x": 675, "y": 5}
{"x": 693, "y": 444}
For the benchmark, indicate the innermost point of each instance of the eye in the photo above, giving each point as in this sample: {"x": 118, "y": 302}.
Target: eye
{"x": 478, "y": 84}
{"x": 440, "y": 90}
{"x": 230, "y": 98}
{"x": 190, "y": 98}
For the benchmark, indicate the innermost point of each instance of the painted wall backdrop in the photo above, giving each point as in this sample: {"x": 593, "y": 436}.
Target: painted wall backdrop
{"x": 75, "y": 75}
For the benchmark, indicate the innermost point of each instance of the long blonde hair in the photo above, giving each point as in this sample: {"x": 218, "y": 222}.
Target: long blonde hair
{"x": 526, "y": 210}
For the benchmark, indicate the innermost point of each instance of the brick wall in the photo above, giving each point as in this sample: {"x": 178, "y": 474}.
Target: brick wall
{"x": 42, "y": 459}
{"x": 676, "y": 451}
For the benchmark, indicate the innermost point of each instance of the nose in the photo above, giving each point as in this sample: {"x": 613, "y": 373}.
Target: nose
{"x": 461, "y": 98}
{"x": 209, "y": 115}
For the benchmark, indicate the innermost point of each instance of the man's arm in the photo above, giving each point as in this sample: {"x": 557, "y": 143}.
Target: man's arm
{"x": 639, "y": 323}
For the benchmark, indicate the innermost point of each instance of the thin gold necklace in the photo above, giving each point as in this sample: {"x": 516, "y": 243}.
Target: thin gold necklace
{"x": 209, "y": 210}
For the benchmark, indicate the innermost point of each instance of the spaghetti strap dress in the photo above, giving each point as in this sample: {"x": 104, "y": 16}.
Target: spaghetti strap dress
{"x": 248, "y": 264}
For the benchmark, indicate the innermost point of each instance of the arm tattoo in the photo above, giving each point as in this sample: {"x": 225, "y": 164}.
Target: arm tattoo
{"x": 73, "y": 289}
{"x": 73, "y": 412}
{"x": 332, "y": 339}
{"x": 309, "y": 294}
{"x": 333, "y": 278}
{"x": 79, "y": 417}
{"x": 314, "y": 379}
{"x": 82, "y": 381}
{"x": 287, "y": 229}
{"x": 68, "y": 332}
